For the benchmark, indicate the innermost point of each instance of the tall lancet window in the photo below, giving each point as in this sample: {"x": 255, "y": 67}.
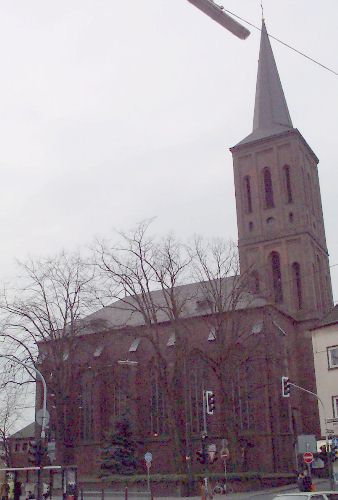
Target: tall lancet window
{"x": 297, "y": 284}
{"x": 247, "y": 194}
{"x": 287, "y": 176}
{"x": 276, "y": 277}
{"x": 158, "y": 420}
{"x": 268, "y": 191}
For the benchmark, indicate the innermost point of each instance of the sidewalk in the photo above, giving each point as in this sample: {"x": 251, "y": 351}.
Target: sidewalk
{"x": 251, "y": 494}
{"x": 280, "y": 489}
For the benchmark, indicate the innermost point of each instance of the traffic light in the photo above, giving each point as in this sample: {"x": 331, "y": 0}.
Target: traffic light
{"x": 286, "y": 387}
{"x": 33, "y": 452}
{"x": 36, "y": 452}
{"x": 210, "y": 401}
{"x": 213, "y": 457}
{"x": 323, "y": 453}
{"x": 334, "y": 451}
{"x": 200, "y": 456}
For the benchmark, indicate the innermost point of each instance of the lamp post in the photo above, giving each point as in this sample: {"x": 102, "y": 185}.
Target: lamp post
{"x": 44, "y": 410}
{"x": 44, "y": 403}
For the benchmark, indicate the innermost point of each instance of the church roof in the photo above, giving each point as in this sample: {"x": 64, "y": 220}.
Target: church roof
{"x": 193, "y": 298}
{"x": 331, "y": 318}
{"x": 271, "y": 115}
{"x": 25, "y": 432}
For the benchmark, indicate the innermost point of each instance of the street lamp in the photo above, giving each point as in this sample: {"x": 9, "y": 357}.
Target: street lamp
{"x": 216, "y": 12}
{"x": 44, "y": 403}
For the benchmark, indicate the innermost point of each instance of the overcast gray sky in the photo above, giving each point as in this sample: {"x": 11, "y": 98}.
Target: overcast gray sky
{"x": 114, "y": 111}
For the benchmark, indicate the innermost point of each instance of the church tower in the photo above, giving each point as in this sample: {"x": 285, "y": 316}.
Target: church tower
{"x": 279, "y": 213}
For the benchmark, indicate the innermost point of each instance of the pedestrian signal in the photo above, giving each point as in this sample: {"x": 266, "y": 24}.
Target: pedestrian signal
{"x": 200, "y": 457}
{"x": 210, "y": 402}
{"x": 213, "y": 457}
{"x": 286, "y": 387}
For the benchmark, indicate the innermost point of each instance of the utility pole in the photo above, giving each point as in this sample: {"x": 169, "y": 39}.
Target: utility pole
{"x": 286, "y": 384}
{"x": 204, "y": 436}
{"x": 208, "y": 409}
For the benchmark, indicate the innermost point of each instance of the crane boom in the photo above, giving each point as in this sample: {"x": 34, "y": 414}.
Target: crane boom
{"x": 217, "y": 14}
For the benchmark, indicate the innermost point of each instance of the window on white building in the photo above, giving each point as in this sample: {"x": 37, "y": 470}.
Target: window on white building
{"x": 335, "y": 406}
{"x": 332, "y": 355}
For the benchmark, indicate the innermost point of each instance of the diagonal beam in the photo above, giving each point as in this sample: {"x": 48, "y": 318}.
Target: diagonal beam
{"x": 217, "y": 14}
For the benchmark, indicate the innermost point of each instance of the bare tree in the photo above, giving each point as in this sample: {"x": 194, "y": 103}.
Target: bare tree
{"x": 41, "y": 321}
{"x": 10, "y": 412}
{"x": 145, "y": 275}
{"x": 225, "y": 293}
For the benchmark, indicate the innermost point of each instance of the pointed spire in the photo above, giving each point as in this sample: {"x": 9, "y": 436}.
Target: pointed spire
{"x": 271, "y": 114}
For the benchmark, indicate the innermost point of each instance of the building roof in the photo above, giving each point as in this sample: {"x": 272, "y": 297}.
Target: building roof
{"x": 330, "y": 318}
{"x": 191, "y": 298}
{"x": 271, "y": 115}
{"x": 25, "y": 432}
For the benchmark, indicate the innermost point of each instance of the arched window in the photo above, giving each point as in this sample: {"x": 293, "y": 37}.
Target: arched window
{"x": 87, "y": 407}
{"x": 157, "y": 405}
{"x": 320, "y": 283}
{"x": 311, "y": 193}
{"x": 121, "y": 390}
{"x": 287, "y": 177}
{"x": 297, "y": 284}
{"x": 247, "y": 194}
{"x": 254, "y": 282}
{"x": 198, "y": 382}
{"x": 276, "y": 277}
{"x": 268, "y": 188}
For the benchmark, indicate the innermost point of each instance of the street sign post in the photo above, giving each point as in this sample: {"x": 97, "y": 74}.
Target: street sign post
{"x": 211, "y": 452}
{"x": 308, "y": 457}
{"x": 148, "y": 457}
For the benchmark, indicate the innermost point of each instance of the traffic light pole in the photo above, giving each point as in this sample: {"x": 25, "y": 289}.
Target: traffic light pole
{"x": 329, "y": 462}
{"x": 204, "y": 444}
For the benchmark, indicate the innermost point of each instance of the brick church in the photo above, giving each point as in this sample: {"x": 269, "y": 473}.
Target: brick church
{"x": 282, "y": 244}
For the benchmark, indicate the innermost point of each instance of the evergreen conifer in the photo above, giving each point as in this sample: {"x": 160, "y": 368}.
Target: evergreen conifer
{"x": 118, "y": 451}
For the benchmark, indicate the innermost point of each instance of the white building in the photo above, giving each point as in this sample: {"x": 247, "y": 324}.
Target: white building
{"x": 325, "y": 352}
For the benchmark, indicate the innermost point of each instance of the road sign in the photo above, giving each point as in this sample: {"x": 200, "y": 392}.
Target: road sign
{"x": 334, "y": 442}
{"x": 225, "y": 454}
{"x": 148, "y": 457}
{"x": 211, "y": 452}
{"x": 39, "y": 417}
{"x": 308, "y": 457}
